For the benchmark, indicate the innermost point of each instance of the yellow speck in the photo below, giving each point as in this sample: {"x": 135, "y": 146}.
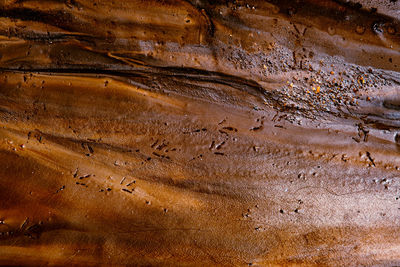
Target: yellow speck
{"x": 291, "y": 85}
{"x": 265, "y": 67}
{"x": 318, "y": 89}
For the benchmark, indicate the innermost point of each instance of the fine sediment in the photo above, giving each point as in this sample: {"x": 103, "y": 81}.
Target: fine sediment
{"x": 199, "y": 133}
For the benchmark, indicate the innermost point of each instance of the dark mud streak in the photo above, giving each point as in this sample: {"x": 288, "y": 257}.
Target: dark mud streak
{"x": 183, "y": 74}
{"x": 59, "y": 19}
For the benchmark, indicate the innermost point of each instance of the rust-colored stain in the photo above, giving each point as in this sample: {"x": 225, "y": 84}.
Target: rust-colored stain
{"x": 199, "y": 133}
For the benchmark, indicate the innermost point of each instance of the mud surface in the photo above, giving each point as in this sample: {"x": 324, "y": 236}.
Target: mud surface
{"x": 208, "y": 133}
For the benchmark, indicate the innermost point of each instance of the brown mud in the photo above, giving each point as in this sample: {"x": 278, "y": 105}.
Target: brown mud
{"x": 212, "y": 133}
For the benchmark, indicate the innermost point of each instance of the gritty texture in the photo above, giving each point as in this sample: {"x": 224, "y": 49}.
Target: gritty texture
{"x": 199, "y": 133}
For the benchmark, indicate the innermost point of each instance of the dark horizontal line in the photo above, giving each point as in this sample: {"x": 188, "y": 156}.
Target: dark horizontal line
{"x": 236, "y": 82}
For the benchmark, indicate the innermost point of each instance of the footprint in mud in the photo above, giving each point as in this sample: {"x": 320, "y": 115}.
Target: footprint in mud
{"x": 159, "y": 147}
{"x": 256, "y": 128}
{"x": 230, "y": 129}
